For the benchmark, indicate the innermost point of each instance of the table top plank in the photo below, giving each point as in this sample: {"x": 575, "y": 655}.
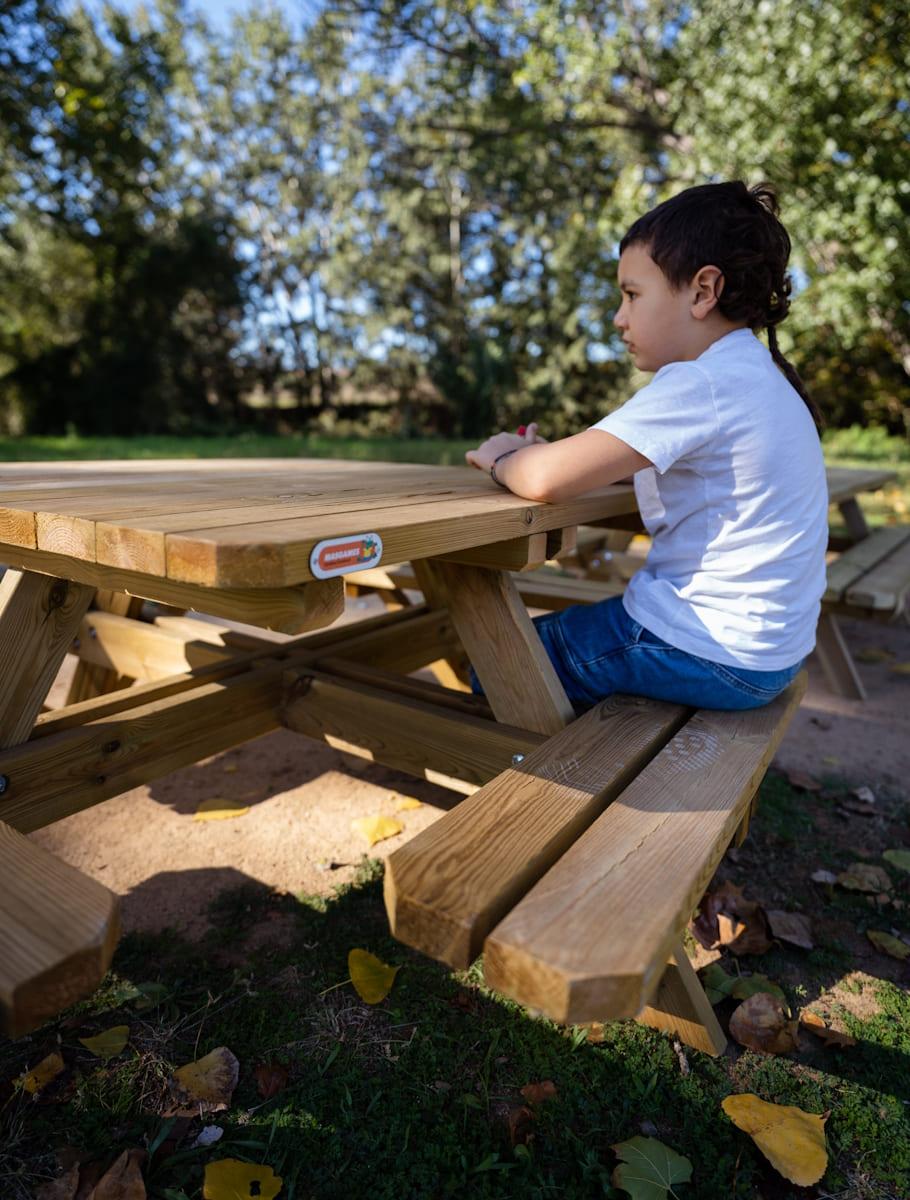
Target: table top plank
{"x": 254, "y": 522}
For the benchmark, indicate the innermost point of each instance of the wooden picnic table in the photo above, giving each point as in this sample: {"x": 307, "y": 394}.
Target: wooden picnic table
{"x": 264, "y": 542}
{"x": 845, "y": 484}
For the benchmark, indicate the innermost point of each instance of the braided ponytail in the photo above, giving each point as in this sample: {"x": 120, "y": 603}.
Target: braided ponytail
{"x": 738, "y": 230}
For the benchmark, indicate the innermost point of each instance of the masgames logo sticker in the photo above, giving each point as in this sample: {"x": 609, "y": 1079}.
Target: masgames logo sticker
{"x": 340, "y": 556}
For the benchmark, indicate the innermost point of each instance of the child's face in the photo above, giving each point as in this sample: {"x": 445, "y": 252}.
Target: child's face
{"x": 658, "y": 324}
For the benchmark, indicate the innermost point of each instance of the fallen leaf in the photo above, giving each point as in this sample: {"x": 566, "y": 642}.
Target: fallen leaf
{"x": 901, "y": 668}
{"x": 717, "y": 983}
{"x": 536, "y": 1093}
{"x": 750, "y": 985}
{"x": 864, "y": 794}
{"x": 742, "y": 930}
{"x": 793, "y": 1141}
{"x": 865, "y": 877}
{"x": 230, "y": 1179}
{"x": 62, "y": 1188}
{"x": 873, "y": 654}
{"x": 217, "y": 809}
{"x": 229, "y": 768}
{"x": 898, "y": 858}
{"x": 889, "y": 944}
{"x": 823, "y": 877}
{"x": 515, "y": 1120}
{"x": 35, "y": 1080}
{"x": 204, "y": 1086}
{"x": 371, "y": 977}
{"x": 816, "y": 1024}
{"x": 123, "y": 1181}
{"x": 376, "y": 829}
{"x": 761, "y": 1023}
{"x": 270, "y": 1079}
{"x": 207, "y": 1136}
{"x": 648, "y": 1168}
{"x": 790, "y": 927}
{"x": 803, "y": 781}
{"x": 108, "y": 1044}
{"x": 407, "y": 804}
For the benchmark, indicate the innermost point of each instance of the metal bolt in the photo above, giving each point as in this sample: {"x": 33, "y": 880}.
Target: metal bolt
{"x": 517, "y": 758}
{"x": 58, "y": 593}
{"x": 76, "y": 643}
{"x": 92, "y": 632}
{"x": 110, "y": 747}
{"x": 4, "y": 783}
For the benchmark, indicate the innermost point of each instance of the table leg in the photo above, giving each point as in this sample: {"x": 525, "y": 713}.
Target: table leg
{"x": 500, "y": 639}
{"x": 39, "y": 617}
{"x": 854, "y": 519}
{"x": 836, "y": 659}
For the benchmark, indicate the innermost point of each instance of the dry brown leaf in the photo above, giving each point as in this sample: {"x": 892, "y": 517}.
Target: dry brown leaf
{"x": 865, "y": 877}
{"x": 743, "y": 929}
{"x": 761, "y": 1023}
{"x": 803, "y": 781}
{"x": 270, "y": 1079}
{"x": 123, "y": 1181}
{"x": 793, "y": 1141}
{"x": 816, "y": 1024}
{"x": 790, "y": 927}
{"x": 204, "y": 1086}
{"x": 108, "y": 1044}
{"x": 515, "y": 1120}
{"x": 536, "y": 1093}
{"x": 62, "y": 1188}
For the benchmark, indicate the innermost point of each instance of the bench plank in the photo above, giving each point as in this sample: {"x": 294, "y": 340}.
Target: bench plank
{"x": 644, "y": 863}
{"x": 448, "y": 886}
{"x": 884, "y": 588}
{"x": 58, "y": 930}
{"x": 846, "y": 570}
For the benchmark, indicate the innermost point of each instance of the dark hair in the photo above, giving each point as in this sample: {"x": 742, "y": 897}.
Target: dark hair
{"x": 734, "y": 228}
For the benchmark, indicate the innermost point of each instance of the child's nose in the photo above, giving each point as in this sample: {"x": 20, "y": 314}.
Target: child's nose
{"x": 619, "y": 319}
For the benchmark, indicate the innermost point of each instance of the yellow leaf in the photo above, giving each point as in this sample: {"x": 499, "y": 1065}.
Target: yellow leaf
{"x": 230, "y": 1179}
{"x": 888, "y": 944}
{"x": 108, "y": 1044}
{"x": 39, "y": 1077}
{"x": 376, "y": 829}
{"x": 901, "y": 668}
{"x": 229, "y": 768}
{"x": 793, "y": 1141}
{"x": 371, "y": 977}
{"x": 406, "y": 804}
{"x": 205, "y": 1085}
{"x": 216, "y": 809}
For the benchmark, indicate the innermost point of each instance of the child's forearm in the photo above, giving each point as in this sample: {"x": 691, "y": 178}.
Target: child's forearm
{"x": 558, "y": 471}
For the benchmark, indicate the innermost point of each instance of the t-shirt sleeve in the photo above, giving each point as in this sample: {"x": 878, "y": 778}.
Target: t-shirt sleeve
{"x": 674, "y": 415}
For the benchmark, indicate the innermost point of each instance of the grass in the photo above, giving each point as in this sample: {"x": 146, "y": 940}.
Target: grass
{"x": 413, "y": 1097}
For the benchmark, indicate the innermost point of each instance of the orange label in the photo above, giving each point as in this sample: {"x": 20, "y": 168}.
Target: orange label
{"x": 338, "y": 556}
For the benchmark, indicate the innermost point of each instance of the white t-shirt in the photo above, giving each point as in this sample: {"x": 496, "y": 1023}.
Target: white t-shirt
{"x": 736, "y": 505}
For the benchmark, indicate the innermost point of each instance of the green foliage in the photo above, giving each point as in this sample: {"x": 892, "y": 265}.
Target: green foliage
{"x": 405, "y": 216}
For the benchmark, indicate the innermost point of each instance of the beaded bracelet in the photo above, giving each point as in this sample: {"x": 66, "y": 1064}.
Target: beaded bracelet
{"x": 498, "y": 459}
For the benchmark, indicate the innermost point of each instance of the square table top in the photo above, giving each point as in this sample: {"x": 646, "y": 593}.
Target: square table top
{"x": 245, "y": 523}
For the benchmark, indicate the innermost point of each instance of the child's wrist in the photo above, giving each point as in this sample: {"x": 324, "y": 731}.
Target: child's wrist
{"x": 499, "y": 458}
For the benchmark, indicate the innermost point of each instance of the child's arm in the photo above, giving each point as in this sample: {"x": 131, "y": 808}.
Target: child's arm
{"x": 556, "y": 471}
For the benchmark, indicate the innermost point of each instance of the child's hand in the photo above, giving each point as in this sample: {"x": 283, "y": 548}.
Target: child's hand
{"x": 487, "y": 452}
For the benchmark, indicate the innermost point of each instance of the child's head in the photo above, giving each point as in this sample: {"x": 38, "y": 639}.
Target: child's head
{"x": 710, "y": 260}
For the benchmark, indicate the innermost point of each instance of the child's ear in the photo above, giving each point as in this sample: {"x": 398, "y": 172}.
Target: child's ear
{"x": 707, "y": 285}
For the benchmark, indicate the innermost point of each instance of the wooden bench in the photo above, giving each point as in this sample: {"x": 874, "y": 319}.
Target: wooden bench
{"x": 869, "y": 580}
{"x": 58, "y": 931}
{"x": 576, "y": 870}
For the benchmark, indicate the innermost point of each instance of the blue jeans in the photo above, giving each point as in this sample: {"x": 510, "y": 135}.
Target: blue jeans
{"x": 598, "y": 649}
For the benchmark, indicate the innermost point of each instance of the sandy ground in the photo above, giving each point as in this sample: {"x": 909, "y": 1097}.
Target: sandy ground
{"x": 303, "y": 796}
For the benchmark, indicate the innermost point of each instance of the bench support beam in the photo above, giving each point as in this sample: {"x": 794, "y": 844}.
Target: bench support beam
{"x": 681, "y": 1006}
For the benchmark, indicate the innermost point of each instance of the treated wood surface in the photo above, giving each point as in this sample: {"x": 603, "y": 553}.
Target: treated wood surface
{"x": 235, "y": 523}
{"x": 591, "y": 939}
{"x": 448, "y": 886}
{"x": 39, "y": 617}
{"x": 58, "y": 930}
{"x": 847, "y": 573}
{"x": 847, "y": 482}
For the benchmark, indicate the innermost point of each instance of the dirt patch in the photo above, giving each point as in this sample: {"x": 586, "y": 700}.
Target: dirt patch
{"x": 856, "y": 993}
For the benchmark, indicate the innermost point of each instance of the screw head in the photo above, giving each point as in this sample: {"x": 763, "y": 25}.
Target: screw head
{"x": 4, "y": 783}
{"x": 517, "y": 758}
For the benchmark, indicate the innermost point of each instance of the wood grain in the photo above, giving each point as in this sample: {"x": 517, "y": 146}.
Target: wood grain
{"x": 447, "y": 887}
{"x": 58, "y": 930}
{"x": 591, "y": 939}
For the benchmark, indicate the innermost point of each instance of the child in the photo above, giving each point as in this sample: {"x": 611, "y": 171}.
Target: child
{"x": 727, "y": 466}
